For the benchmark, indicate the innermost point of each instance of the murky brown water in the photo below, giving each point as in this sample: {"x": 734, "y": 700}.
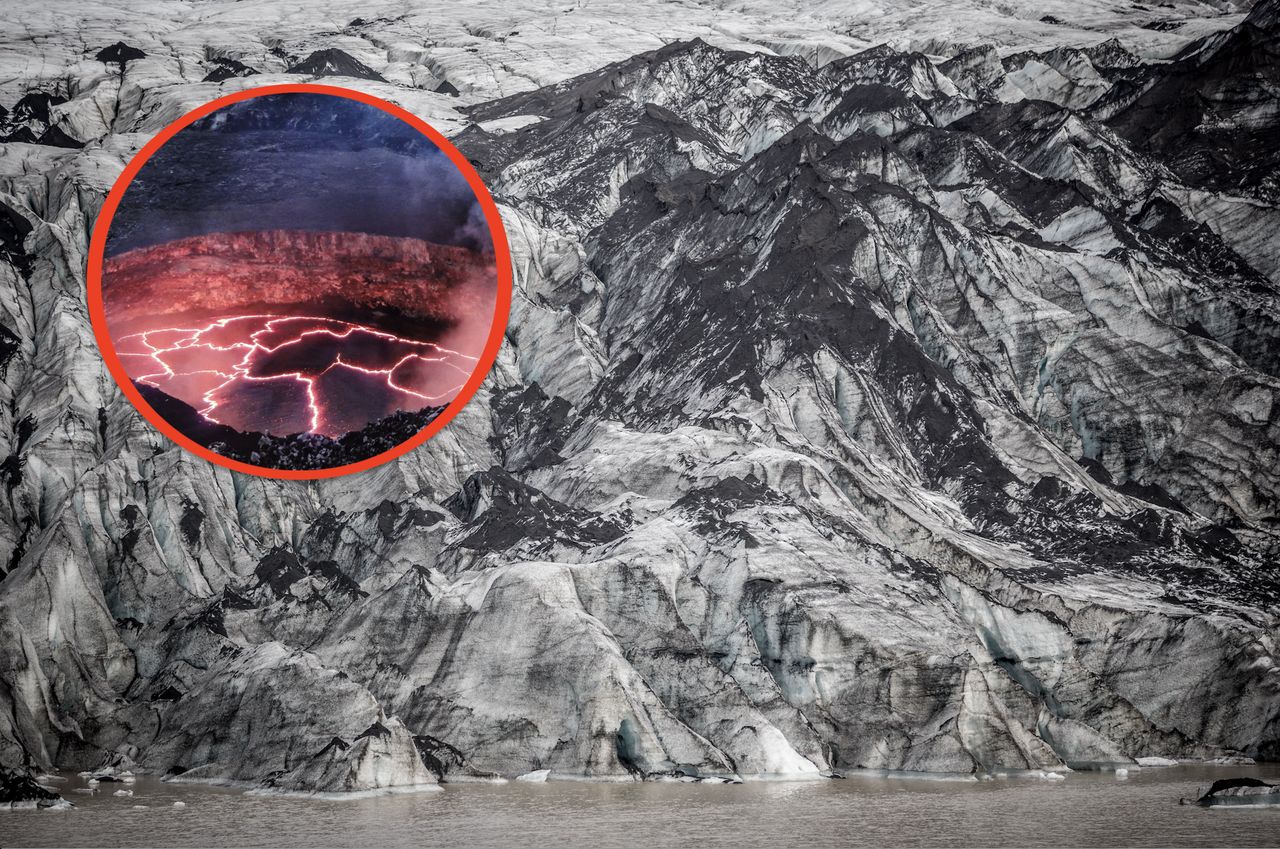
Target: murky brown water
{"x": 1087, "y": 809}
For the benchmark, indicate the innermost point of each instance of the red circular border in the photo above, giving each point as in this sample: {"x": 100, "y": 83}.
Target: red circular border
{"x": 97, "y": 307}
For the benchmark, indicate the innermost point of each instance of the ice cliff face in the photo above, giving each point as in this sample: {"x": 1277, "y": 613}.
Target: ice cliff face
{"x": 860, "y": 408}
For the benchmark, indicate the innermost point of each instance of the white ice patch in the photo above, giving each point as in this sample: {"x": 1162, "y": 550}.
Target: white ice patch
{"x": 511, "y": 123}
{"x": 538, "y": 776}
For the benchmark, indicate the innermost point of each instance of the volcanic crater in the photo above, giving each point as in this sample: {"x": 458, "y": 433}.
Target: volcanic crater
{"x": 287, "y": 332}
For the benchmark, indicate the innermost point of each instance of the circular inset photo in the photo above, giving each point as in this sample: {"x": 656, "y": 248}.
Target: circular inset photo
{"x": 299, "y": 281}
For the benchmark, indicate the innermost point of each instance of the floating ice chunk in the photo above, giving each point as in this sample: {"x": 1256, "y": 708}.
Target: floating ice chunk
{"x": 538, "y": 776}
{"x": 1154, "y": 761}
{"x": 141, "y": 807}
{"x": 179, "y": 804}
{"x": 1122, "y": 773}
{"x": 123, "y": 793}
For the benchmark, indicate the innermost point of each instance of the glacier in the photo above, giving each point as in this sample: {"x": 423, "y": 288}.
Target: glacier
{"x": 881, "y": 392}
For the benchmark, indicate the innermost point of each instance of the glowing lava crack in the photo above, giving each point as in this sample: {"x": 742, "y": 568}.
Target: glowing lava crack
{"x": 293, "y": 374}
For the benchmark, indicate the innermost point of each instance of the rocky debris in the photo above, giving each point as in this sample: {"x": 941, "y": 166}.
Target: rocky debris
{"x": 533, "y": 428}
{"x": 20, "y": 789}
{"x": 1231, "y": 792}
{"x": 296, "y": 451}
{"x": 1211, "y": 115}
{"x": 119, "y": 54}
{"x": 448, "y": 763}
{"x": 907, "y": 430}
{"x": 280, "y": 570}
{"x": 31, "y": 120}
{"x": 13, "y": 233}
{"x": 225, "y": 68}
{"x": 1112, "y": 57}
{"x": 499, "y": 512}
{"x": 332, "y": 62}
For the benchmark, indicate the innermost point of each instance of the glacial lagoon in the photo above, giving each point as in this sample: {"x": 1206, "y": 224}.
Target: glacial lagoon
{"x": 1085, "y": 809}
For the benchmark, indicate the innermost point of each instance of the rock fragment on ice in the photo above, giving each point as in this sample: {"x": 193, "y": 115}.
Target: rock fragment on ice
{"x": 1231, "y": 792}
{"x": 19, "y": 789}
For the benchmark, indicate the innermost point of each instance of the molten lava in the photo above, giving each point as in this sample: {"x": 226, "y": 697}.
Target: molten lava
{"x": 293, "y": 332}
{"x": 292, "y": 374}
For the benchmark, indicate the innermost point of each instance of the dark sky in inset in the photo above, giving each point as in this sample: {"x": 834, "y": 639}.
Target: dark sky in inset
{"x": 298, "y": 162}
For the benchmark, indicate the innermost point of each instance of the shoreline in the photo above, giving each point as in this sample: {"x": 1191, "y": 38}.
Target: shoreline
{"x": 60, "y": 781}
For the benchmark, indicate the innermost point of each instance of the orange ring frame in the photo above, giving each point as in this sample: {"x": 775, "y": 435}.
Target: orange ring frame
{"x": 501, "y": 311}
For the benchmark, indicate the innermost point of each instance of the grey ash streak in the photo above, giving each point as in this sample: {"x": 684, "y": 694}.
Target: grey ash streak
{"x": 901, "y": 412}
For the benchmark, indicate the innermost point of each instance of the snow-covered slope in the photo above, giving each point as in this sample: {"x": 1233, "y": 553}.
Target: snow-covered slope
{"x": 861, "y": 407}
